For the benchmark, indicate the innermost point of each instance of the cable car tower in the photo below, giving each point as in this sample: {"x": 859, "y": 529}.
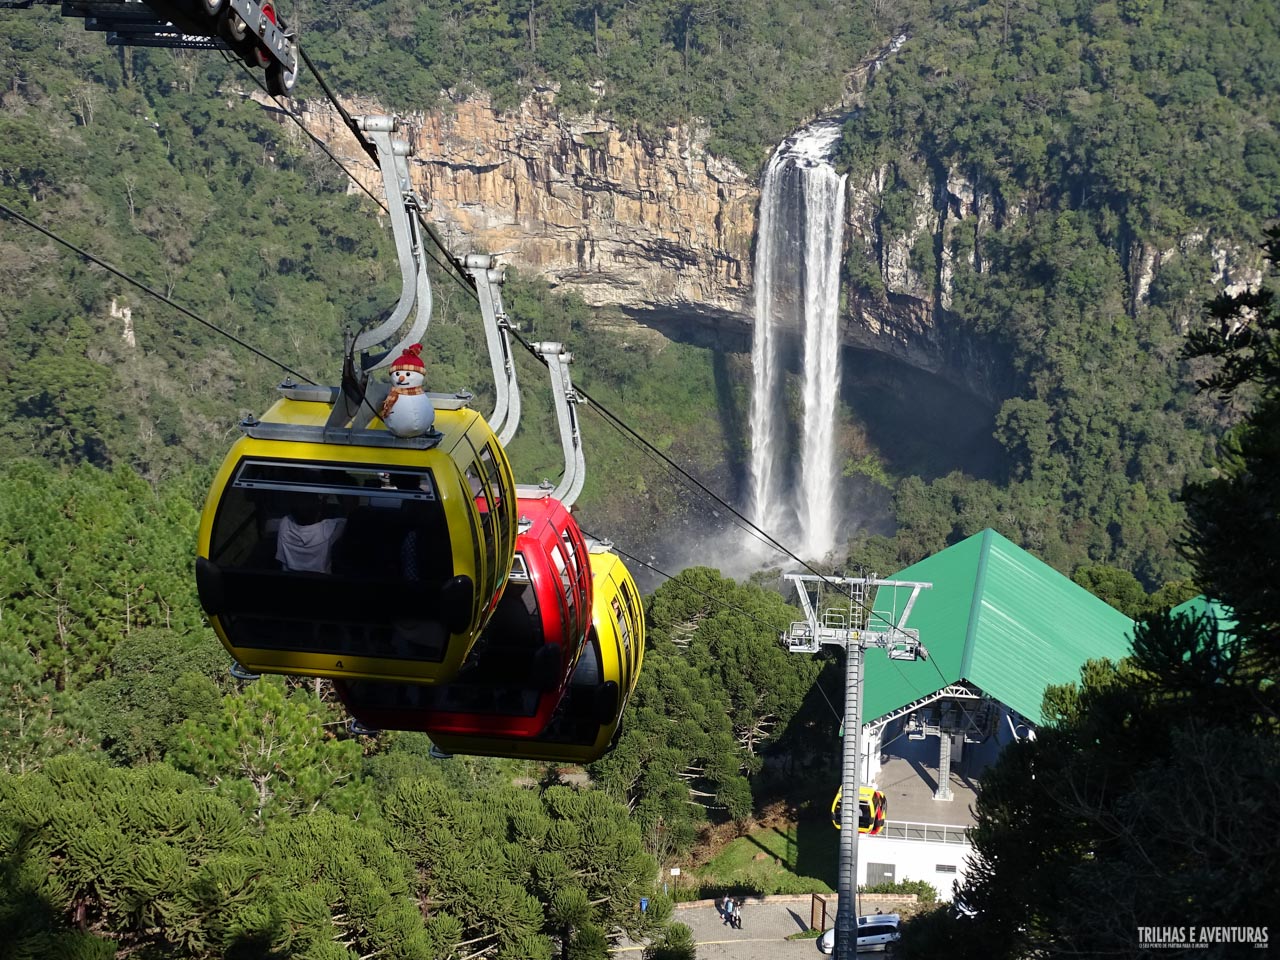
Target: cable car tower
{"x": 838, "y": 612}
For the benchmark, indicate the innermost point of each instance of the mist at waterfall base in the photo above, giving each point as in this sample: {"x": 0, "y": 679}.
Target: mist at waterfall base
{"x": 713, "y": 538}
{"x": 914, "y": 422}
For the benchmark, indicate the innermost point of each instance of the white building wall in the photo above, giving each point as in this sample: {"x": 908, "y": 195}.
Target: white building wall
{"x": 916, "y": 860}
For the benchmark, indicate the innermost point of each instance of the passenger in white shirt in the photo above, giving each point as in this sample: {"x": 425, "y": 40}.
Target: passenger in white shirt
{"x": 306, "y": 543}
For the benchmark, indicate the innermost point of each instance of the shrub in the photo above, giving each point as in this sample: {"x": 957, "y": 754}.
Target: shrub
{"x": 925, "y": 892}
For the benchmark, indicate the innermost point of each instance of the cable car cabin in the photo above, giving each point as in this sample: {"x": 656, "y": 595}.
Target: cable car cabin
{"x": 360, "y": 559}
{"x": 588, "y": 721}
{"x": 873, "y": 807}
{"x": 518, "y": 671}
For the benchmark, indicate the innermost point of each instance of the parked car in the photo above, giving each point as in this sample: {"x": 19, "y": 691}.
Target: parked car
{"x": 875, "y": 932}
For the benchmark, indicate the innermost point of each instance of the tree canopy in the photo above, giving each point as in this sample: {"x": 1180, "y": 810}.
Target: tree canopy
{"x": 1152, "y": 787}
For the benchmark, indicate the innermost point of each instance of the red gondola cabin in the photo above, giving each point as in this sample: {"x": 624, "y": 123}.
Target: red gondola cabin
{"x": 520, "y": 667}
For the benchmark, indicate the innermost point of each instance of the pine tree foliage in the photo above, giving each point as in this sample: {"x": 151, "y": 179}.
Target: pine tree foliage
{"x": 86, "y": 558}
{"x": 342, "y": 887}
{"x": 128, "y": 858}
{"x": 513, "y": 864}
{"x": 734, "y": 643}
{"x": 156, "y": 679}
{"x": 268, "y": 749}
{"x": 37, "y": 721}
{"x": 676, "y": 943}
{"x": 1237, "y": 514}
{"x": 106, "y": 862}
{"x": 716, "y": 689}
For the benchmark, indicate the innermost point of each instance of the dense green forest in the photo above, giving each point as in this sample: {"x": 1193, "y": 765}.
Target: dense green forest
{"x": 150, "y": 807}
{"x": 1106, "y": 139}
{"x": 1118, "y": 149}
{"x": 751, "y": 70}
{"x": 1127, "y": 154}
{"x": 158, "y": 162}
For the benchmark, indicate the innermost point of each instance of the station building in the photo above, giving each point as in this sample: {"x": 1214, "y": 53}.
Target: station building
{"x": 1000, "y": 626}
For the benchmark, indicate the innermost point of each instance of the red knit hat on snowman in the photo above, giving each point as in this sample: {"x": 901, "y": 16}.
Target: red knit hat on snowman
{"x": 410, "y": 361}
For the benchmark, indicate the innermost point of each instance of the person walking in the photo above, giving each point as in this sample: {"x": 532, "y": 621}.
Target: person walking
{"x": 728, "y": 911}
{"x": 736, "y": 918}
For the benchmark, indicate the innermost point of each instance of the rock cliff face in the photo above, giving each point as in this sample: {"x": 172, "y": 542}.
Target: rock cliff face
{"x": 641, "y": 223}
{"x": 915, "y": 261}
{"x": 661, "y": 227}
{"x": 915, "y": 255}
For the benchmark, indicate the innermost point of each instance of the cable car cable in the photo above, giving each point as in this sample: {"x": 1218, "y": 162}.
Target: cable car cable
{"x": 676, "y": 474}
{"x": 731, "y": 606}
{"x": 655, "y": 454}
{"x": 370, "y": 149}
{"x": 629, "y": 431}
{"x": 463, "y": 281}
{"x": 619, "y": 424}
{"x": 283, "y": 108}
{"x": 456, "y": 273}
{"x": 831, "y": 705}
{"x": 702, "y": 593}
{"x": 452, "y": 261}
{"x": 86, "y": 255}
{"x": 303, "y": 127}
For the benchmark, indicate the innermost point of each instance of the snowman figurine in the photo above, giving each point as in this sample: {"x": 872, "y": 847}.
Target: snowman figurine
{"x": 408, "y": 411}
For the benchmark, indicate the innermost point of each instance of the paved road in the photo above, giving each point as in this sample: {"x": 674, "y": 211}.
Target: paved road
{"x": 766, "y": 924}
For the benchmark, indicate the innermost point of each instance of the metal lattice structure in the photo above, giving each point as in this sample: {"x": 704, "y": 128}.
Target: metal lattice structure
{"x": 839, "y": 612}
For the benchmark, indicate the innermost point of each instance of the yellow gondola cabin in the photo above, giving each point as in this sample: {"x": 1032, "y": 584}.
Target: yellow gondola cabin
{"x": 354, "y": 553}
{"x": 873, "y": 808}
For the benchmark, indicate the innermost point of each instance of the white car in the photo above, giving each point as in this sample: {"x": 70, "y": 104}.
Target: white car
{"x": 875, "y": 932}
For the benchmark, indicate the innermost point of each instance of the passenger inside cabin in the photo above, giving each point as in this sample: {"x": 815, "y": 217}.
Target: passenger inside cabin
{"x": 306, "y": 537}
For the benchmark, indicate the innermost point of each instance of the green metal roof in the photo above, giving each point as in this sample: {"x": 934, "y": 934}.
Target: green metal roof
{"x": 1197, "y": 606}
{"x": 997, "y": 617}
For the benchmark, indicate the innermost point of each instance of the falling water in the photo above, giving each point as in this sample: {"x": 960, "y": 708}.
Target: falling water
{"x": 798, "y": 251}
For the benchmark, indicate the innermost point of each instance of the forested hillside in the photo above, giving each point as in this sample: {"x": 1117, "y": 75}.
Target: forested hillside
{"x": 1151, "y": 785}
{"x": 752, "y": 70}
{"x": 161, "y": 164}
{"x": 148, "y": 806}
{"x": 1127, "y": 155}
{"x": 1124, "y": 159}
{"x": 141, "y": 160}
{"x": 151, "y": 808}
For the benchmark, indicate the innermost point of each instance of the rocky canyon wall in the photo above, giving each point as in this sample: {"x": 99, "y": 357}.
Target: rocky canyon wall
{"x": 659, "y": 226}
{"x": 643, "y": 223}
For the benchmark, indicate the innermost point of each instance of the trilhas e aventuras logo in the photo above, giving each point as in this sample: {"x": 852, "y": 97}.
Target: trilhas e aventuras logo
{"x": 1193, "y": 937}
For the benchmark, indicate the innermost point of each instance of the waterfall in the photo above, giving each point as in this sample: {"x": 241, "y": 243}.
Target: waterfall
{"x": 798, "y": 249}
